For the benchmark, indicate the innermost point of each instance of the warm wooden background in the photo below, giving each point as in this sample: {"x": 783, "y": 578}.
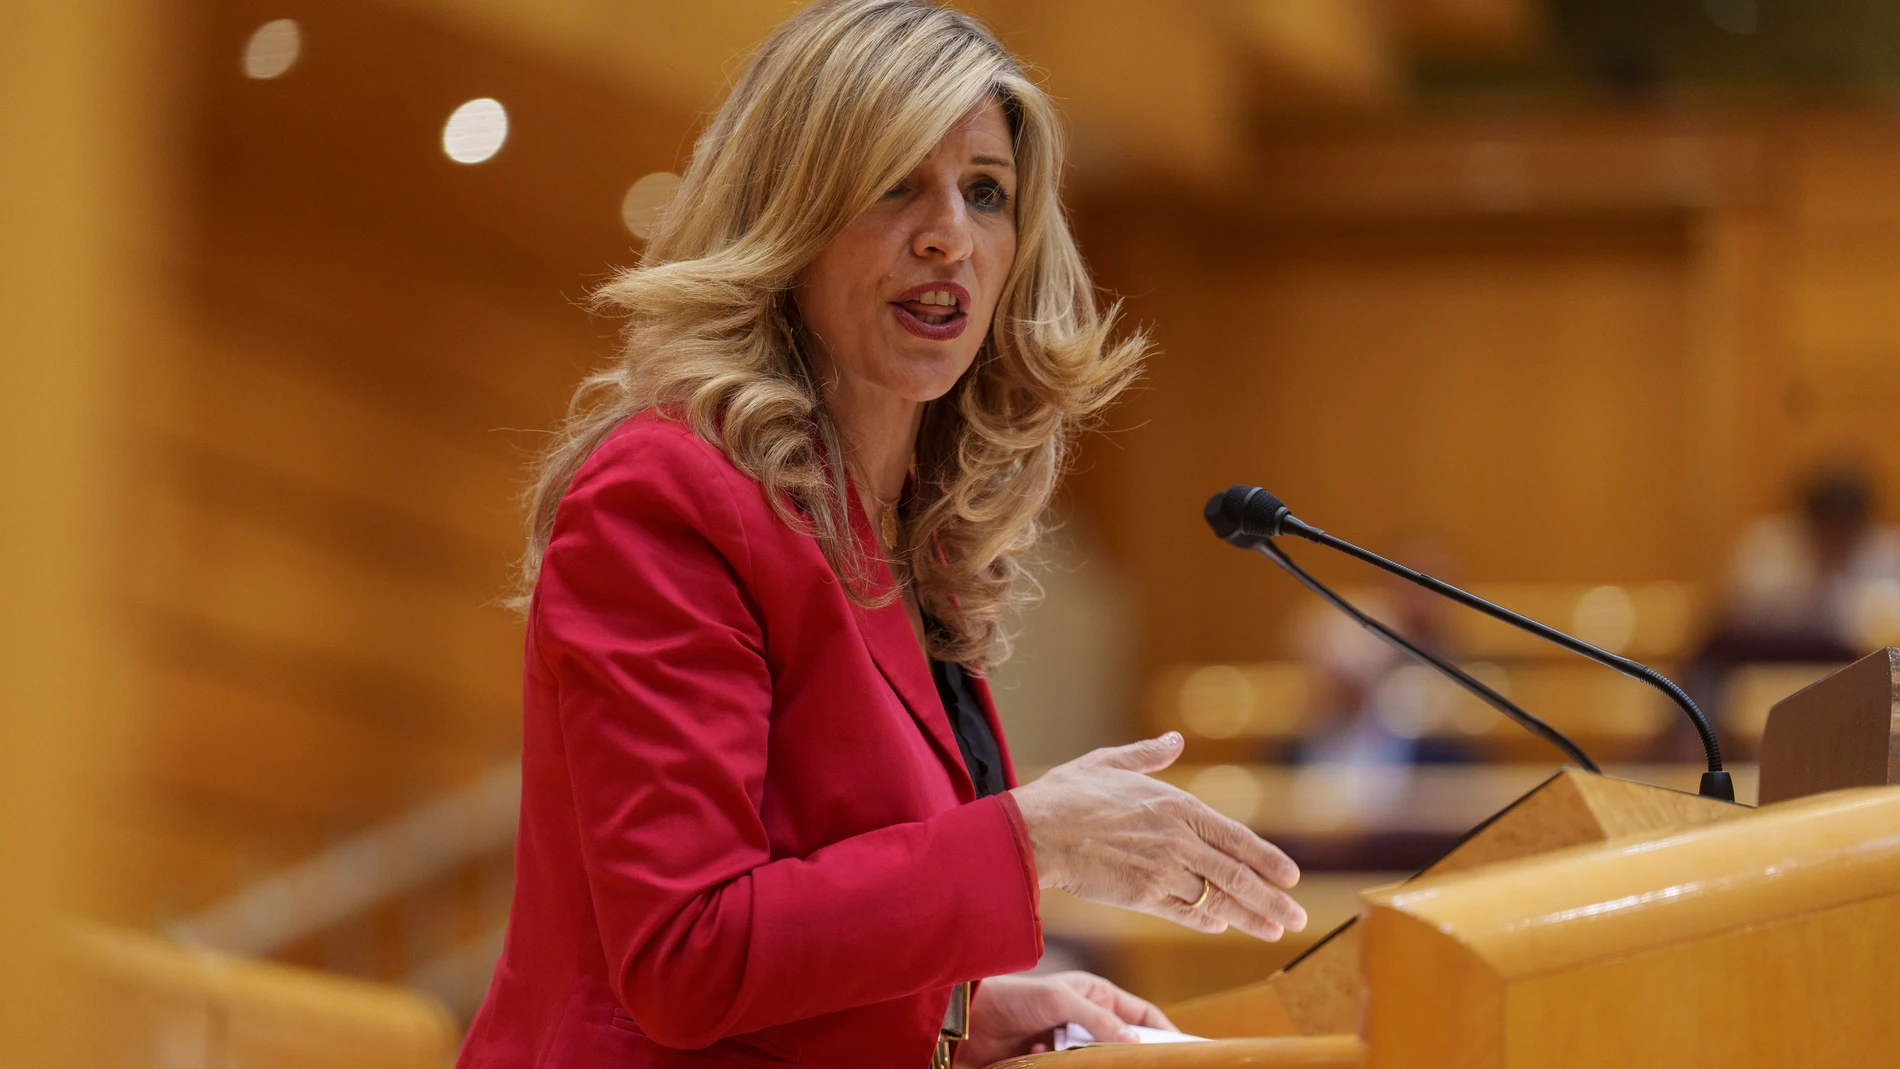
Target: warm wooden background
{"x": 1576, "y": 344}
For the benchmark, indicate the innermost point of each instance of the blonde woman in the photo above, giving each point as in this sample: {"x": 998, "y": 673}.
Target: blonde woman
{"x": 767, "y": 812}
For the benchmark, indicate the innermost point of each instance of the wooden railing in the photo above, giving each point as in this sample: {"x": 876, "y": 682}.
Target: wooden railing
{"x": 155, "y": 1002}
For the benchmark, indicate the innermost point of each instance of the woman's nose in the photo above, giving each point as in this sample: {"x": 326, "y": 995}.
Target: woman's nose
{"x": 944, "y": 231}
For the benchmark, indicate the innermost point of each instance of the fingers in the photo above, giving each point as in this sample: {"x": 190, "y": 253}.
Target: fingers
{"x": 1126, "y": 1006}
{"x": 1236, "y": 914}
{"x": 1174, "y": 909}
{"x": 1242, "y": 895}
{"x": 1238, "y": 841}
{"x": 1148, "y": 755}
{"x": 1135, "y": 1010}
{"x": 1101, "y": 1021}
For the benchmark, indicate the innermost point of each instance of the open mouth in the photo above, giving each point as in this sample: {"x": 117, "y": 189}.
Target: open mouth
{"x": 929, "y": 318}
{"x": 937, "y": 311}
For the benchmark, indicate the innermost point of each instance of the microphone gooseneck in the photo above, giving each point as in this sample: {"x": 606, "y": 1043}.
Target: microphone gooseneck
{"x": 1510, "y": 709}
{"x": 1250, "y": 517}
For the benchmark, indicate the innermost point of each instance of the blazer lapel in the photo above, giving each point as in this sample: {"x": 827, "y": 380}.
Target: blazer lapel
{"x": 893, "y": 646}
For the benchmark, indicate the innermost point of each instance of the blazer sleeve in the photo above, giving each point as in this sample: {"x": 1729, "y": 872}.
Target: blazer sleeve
{"x": 644, "y": 617}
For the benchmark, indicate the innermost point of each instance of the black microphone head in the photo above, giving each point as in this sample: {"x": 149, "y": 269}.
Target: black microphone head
{"x": 1254, "y": 511}
{"x": 1226, "y": 527}
{"x": 1243, "y": 515}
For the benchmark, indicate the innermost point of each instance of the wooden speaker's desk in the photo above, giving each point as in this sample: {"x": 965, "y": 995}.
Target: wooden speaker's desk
{"x": 1597, "y": 922}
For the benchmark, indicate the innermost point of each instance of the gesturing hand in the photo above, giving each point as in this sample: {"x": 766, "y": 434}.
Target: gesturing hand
{"x": 1014, "y": 1015}
{"x": 1102, "y": 829}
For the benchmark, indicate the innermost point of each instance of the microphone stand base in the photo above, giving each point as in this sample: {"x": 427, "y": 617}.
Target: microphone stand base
{"x": 1717, "y": 785}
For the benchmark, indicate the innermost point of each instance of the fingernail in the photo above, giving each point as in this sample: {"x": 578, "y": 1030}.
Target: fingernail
{"x": 1171, "y": 739}
{"x": 1129, "y": 1035}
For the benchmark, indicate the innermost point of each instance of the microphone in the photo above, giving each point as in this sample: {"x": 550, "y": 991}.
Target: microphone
{"x": 1249, "y": 517}
{"x": 1228, "y": 530}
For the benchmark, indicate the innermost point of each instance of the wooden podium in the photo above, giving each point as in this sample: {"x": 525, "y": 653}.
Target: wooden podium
{"x": 1598, "y": 922}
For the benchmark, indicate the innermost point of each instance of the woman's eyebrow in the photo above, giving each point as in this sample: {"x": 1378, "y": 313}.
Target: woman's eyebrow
{"x": 994, "y": 161}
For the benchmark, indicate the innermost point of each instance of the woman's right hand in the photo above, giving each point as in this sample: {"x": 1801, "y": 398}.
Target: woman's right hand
{"x": 1102, "y": 829}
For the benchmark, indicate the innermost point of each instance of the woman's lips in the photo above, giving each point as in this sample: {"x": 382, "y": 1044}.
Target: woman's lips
{"x": 909, "y": 313}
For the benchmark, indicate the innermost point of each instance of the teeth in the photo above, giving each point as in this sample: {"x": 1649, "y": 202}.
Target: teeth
{"x": 942, "y": 297}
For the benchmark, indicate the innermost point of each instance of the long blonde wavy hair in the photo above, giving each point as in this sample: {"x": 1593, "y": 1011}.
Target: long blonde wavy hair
{"x": 835, "y": 107}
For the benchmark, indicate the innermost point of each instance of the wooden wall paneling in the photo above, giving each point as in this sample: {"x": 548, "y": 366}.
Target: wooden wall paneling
{"x": 1108, "y": 64}
{"x": 1371, "y": 381}
{"x": 245, "y": 425}
{"x": 1512, "y": 337}
{"x": 352, "y": 134}
{"x": 1731, "y": 345}
{"x": 487, "y": 343}
{"x": 247, "y": 578}
{"x": 343, "y": 766}
{"x": 87, "y": 198}
{"x": 330, "y": 447}
{"x": 174, "y": 851}
{"x": 1837, "y": 392}
{"x": 1143, "y": 503}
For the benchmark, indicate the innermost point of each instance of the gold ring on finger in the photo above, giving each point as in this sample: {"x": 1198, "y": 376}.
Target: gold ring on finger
{"x": 1206, "y": 889}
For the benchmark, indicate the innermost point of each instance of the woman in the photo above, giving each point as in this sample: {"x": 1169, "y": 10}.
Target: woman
{"x": 767, "y": 814}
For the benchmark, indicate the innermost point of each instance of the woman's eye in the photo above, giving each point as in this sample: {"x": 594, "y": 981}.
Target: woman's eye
{"x": 988, "y": 194}
{"x": 897, "y": 190}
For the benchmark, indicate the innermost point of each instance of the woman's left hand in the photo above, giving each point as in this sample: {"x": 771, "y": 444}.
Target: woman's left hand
{"x": 1014, "y": 1015}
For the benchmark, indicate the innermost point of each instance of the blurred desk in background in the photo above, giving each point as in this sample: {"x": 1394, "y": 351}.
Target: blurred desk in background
{"x": 1164, "y": 962}
{"x": 1313, "y": 813}
{"x": 1397, "y": 817}
{"x": 1249, "y": 711}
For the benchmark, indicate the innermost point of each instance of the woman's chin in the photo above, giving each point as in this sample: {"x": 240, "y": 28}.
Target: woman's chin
{"x": 924, "y": 372}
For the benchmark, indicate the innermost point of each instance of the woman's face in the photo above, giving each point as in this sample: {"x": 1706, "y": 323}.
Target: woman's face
{"x": 902, "y": 298}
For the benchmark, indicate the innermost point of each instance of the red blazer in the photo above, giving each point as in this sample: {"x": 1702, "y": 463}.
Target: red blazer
{"x": 747, "y": 834}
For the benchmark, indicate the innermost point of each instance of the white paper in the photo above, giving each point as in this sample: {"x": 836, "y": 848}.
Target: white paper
{"x": 1072, "y": 1035}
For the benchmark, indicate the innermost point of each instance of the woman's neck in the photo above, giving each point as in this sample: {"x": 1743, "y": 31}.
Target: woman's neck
{"x": 879, "y": 430}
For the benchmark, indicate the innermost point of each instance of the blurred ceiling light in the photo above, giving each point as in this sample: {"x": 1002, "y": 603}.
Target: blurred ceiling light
{"x": 1605, "y": 617}
{"x": 273, "y": 48}
{"x": 1735, "y": 16}
{"x": 640, "y": 209}
{"x": 1229, "y": 790}
{"x": 475, "y": 131}
{"x": 1216, "y": 701}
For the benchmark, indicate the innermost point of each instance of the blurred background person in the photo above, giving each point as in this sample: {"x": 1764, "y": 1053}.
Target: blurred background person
{"x": 1373, "y": 711}
{"x": 1812, "y": 584}
{"x": 1372, "y": 704}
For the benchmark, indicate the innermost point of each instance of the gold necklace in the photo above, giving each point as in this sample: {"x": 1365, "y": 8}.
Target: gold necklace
{"x": 888, "y": 524}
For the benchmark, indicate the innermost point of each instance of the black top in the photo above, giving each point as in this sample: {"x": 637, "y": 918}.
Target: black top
{"x": 980, "y": 754}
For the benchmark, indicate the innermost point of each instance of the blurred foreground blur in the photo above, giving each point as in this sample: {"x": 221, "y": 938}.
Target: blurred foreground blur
{"x": 1588, "y": 301}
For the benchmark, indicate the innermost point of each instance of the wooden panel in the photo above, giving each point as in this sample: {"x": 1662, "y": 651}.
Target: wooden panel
{"x": 1323, "y": 992}
{"x": 1249, "y": 1010}
{"x": 1465, "y": 27}
{"x": 191, "y": 1004}
{"x": 1843, "y": 731}
{"x": 340, "y": 766}
{"x": 209, "y": 409}
{"x": 1762, "y": 940}
{"x": 242, "y": 577}
{"x": 331, "y": 440}
{"x": 1476, "y": 164}
{"x": 1369, "y": 380}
